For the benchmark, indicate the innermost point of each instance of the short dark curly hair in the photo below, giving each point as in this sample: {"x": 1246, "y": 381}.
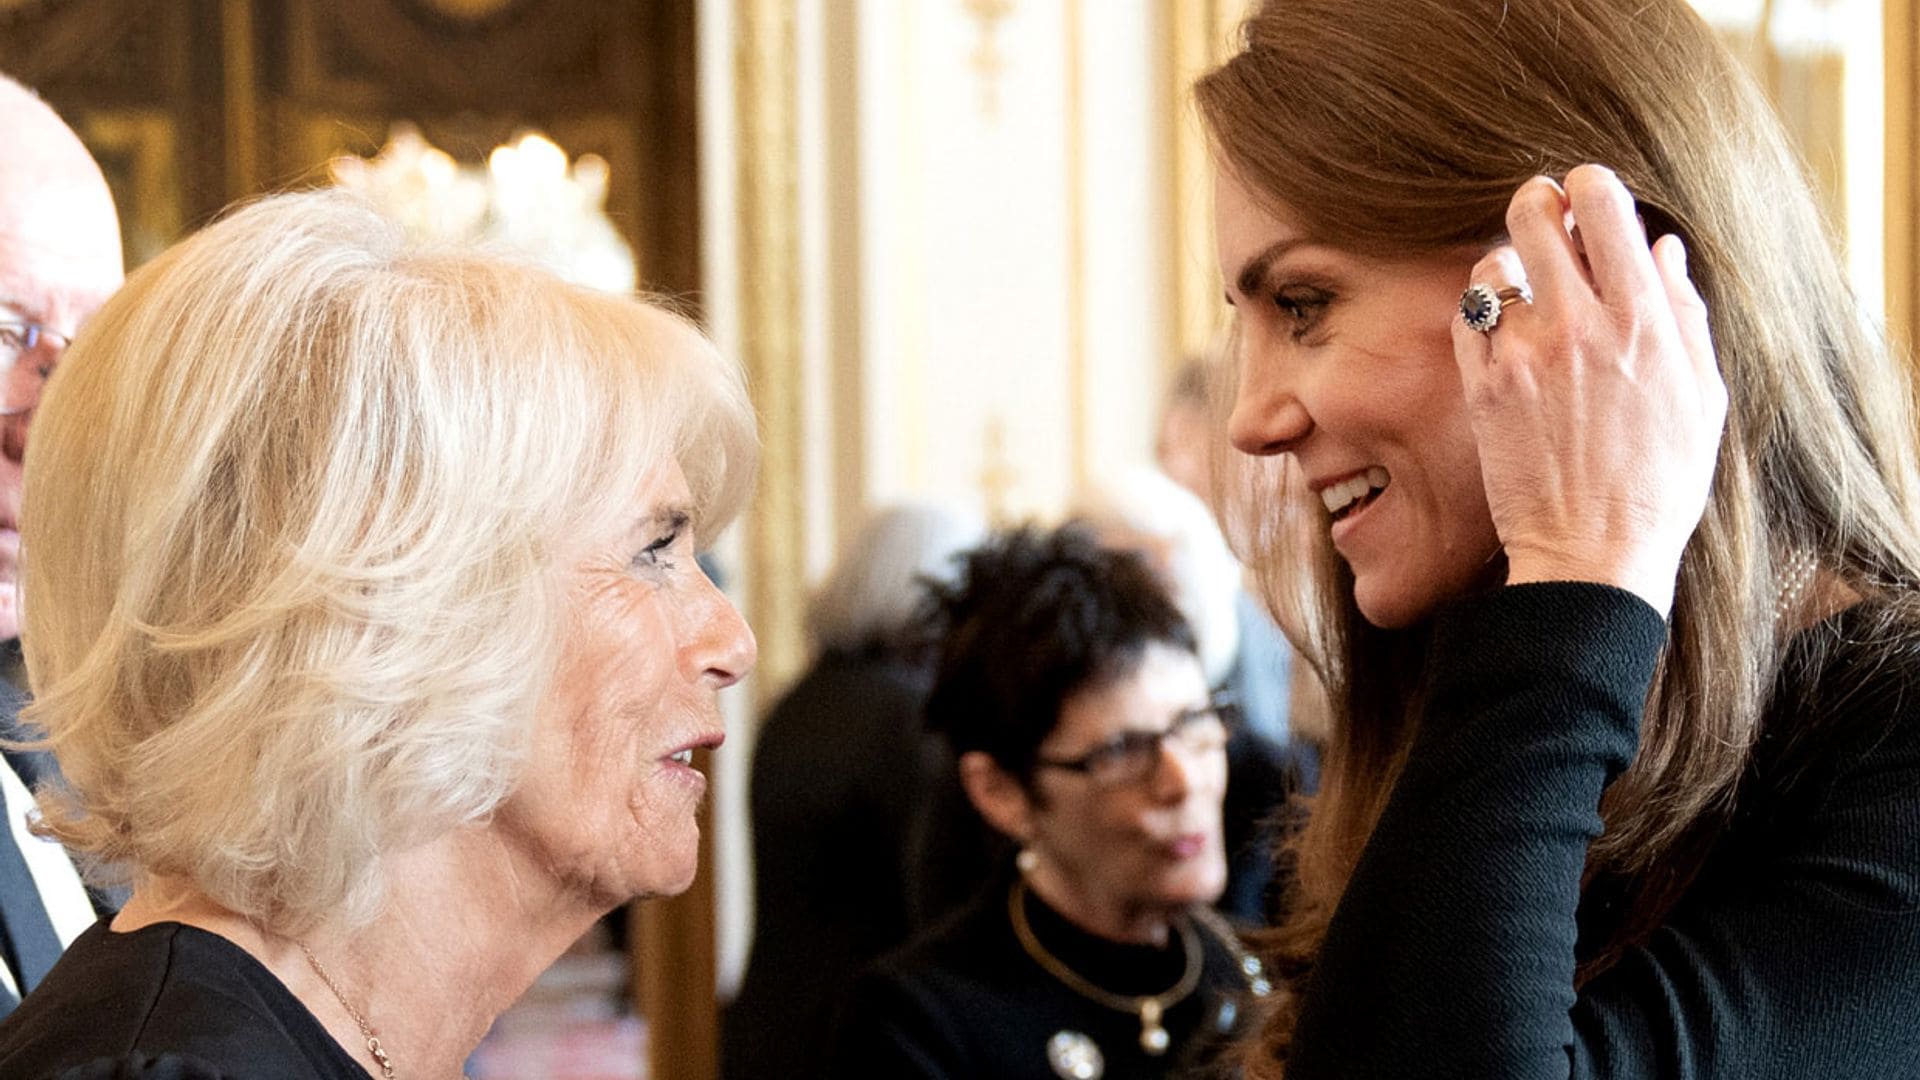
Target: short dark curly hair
{"x": 1035, "y": 617}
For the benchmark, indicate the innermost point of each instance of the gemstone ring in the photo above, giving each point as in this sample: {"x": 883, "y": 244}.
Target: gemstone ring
{"x": 1480, "y": 305}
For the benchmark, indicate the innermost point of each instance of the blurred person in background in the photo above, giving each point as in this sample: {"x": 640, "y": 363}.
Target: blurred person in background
{"x": 59, "y": 261}
{"x": 1145, "y": 511}
{"x": 1075, "y": 704}
{"x": 841, "y": 771}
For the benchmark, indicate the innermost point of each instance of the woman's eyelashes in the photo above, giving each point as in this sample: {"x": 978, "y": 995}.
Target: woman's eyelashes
{"x": 1302, "y": 307}
{"x": 661, "y": 553}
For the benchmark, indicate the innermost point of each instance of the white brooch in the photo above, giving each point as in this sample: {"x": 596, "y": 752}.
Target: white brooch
{"x": 1075, "y": 1057}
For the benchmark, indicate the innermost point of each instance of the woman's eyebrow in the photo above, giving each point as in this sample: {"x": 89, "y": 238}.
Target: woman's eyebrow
{"x": 1254, "y": 270}
{"x": 666, "y": 519}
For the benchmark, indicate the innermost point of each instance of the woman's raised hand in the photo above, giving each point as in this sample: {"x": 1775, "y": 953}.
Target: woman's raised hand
{"x": 1598, "y": 407}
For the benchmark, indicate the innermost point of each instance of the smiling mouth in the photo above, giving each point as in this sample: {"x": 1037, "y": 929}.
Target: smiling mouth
{"x": 1349, "y": 496}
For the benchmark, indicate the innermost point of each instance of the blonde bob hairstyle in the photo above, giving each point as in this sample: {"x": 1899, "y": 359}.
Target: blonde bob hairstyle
{"x": 298, "y": 503}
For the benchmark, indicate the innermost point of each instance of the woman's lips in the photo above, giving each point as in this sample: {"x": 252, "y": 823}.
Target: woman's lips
{"x": 1350, "y": 520}
{"x": 1187, "y": 845}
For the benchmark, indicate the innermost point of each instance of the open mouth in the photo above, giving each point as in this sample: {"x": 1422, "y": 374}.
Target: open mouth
{"x": 684, "y": 757}
{"x": 1355, "y": 493}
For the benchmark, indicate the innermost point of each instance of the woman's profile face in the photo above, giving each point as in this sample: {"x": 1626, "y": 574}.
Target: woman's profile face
{"x": 609, "y": 801}
{"x": 1347, "y": 364}
{"x": 1145, "y": 847}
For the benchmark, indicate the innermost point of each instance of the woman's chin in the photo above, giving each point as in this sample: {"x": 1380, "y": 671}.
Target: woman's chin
{"x": 1196, "y": 885}
{"x": 1390, "y": 601}
{"x": 1392, "y": 605}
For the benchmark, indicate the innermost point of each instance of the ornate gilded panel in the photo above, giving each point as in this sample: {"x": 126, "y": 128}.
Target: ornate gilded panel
{"x": 122, "y": 73}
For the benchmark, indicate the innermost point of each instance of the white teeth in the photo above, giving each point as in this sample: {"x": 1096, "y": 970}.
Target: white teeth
{"x": 1354, "y": 488}
{"x": 684, "y": 757}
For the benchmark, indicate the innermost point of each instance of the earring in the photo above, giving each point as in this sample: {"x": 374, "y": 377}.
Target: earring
{"x": 1026, "y": 861}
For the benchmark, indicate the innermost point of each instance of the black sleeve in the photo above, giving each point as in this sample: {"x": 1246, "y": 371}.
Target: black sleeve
{"x": 1452, "y": 952}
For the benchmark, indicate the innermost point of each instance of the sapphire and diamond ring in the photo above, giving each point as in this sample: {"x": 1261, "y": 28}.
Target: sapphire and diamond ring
{"x": 1480, "y": 305}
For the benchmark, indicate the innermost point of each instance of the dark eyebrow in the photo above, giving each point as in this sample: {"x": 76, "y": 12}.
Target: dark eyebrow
{"x": 1254, "y": 271}
{"x": 667, "y": 519}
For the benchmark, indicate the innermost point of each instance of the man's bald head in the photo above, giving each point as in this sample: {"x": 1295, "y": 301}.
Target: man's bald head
{"x": 59, "y": 261}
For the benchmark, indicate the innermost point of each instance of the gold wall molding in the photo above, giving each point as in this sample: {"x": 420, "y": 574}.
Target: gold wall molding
{"x": 1078, "y": 427}
{"x": 138, "y": 150}
{"x": 1901, "y": 26}
{"x": 986, "y": 58}
{"x": 1201, "y": 35}
{"x": 771, "y": 333}
{"x": 239, "y": 78}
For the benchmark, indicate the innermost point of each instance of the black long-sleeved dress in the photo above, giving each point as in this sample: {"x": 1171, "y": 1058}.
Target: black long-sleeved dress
{"x": 1795, "y": 952}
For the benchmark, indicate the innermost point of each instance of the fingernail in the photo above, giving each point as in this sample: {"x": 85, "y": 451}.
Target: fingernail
{"x": 1676, "y": 254}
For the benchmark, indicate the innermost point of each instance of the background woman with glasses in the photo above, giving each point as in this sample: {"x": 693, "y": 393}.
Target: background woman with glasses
{"x": 1069, "y": 688}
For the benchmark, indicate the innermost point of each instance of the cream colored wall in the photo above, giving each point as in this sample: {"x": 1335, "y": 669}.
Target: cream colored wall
{"x": 1822, "y": 64}
{"x": 939, "y": 234}
{"x": 1011, "y": 263}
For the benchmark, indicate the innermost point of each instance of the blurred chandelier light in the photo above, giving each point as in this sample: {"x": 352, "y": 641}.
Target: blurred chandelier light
{"x": 528, "y": 199}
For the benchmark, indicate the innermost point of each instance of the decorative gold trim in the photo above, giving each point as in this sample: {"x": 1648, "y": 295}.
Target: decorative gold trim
{"x": 1201, "y": 36}
{"x": 985, "y": 59}
{"x": 146, "y": 140}
{"x": 846, "y": 227}
{"x": 767, "y": 82}
{"x": 243, "y": 115}
{"x": 1901, "y": 34}
{"x": 1078, "y": 432}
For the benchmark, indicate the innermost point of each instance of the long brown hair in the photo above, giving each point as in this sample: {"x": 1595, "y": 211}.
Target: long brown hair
{"x": 1396, "y": 128}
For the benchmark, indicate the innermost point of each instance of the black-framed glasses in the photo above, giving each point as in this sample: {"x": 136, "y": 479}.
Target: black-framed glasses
{"x": 1132, "y": 756}
{"x": 27, "y": 353}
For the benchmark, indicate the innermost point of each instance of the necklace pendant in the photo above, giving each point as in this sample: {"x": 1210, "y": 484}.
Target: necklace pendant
{"x": 1153, "y": 1037}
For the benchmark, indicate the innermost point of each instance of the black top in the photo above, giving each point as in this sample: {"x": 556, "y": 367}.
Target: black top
{"x": 839, "y": 769}
{"x": 165, "y": 1002}
{"x": 1795, "y": 952}
{"x": 966, "y": 1001}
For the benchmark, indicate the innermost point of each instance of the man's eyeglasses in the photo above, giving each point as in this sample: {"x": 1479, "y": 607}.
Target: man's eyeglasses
{"x": 27, "y": 353}
{"x": 1132, "y": 756}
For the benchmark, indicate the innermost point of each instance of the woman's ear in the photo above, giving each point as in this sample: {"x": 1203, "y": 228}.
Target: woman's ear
{"x": 997, "y": 795}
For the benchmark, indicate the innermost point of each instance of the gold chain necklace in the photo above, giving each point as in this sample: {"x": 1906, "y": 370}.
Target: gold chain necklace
{"x": 1150, "y": 1008}
{"x": 366, "y": 1030}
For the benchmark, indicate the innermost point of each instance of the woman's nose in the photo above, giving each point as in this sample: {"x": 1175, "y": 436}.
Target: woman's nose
{"x": 1268, "y": 416}
{"x": 723, "y": 650}
{"x": 1172, "y": 774}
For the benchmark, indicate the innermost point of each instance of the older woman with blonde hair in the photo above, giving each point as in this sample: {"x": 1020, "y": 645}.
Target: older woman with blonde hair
{"x": 1618, "y": 589}
{"x": 363, "y": 616}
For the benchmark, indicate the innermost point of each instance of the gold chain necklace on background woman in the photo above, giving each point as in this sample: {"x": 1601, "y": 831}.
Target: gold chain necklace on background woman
{"x": 1150, "y": 1008}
